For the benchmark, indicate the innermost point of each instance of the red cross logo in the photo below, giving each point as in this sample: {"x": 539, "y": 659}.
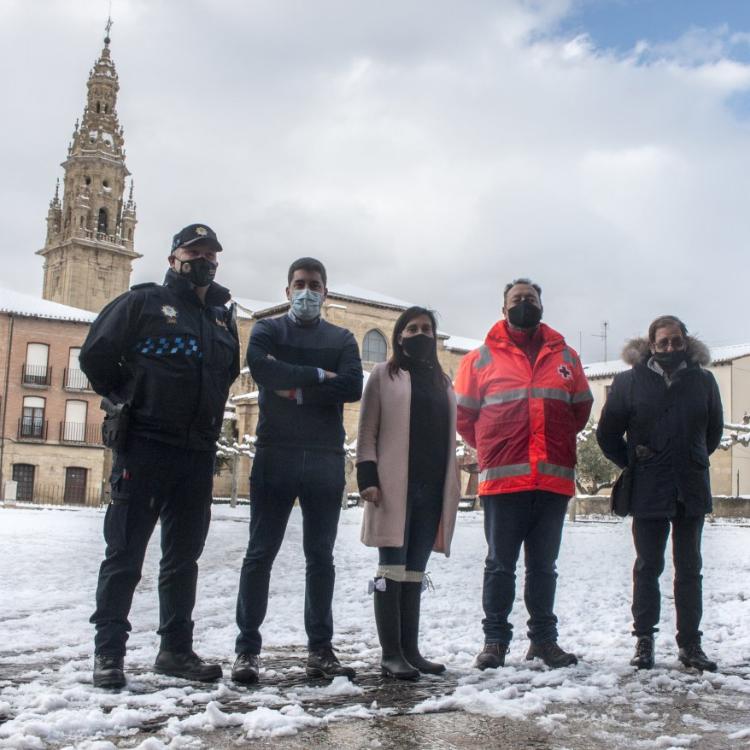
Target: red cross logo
{"x": 564, "y": 370}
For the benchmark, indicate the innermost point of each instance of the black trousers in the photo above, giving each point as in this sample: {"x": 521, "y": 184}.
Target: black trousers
{"x": 424, "y": 507}
{"x": 279, "y": 476}
{"x": 153, "y": 481}
{"x": 650, "y": 538}
{"x": 535, "y": 520}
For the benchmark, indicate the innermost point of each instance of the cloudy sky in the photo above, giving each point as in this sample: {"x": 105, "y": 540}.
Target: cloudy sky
{"x": 427, "y": 149}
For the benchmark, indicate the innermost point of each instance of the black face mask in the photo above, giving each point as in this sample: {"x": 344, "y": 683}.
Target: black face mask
{"x": 419, "y": 346}
{"x": 670, "y": 361}
{"x": 200, "y": 271}
{"x": 524, "y": 315}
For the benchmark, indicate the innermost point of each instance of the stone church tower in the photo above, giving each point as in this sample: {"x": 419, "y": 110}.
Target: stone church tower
{"x": 88, "y": 253}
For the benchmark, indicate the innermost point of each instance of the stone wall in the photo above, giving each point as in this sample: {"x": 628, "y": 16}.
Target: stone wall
{"x": 358, "y": 317}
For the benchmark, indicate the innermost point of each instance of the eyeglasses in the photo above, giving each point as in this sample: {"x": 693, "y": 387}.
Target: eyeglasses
{"x": 677, "y": 343}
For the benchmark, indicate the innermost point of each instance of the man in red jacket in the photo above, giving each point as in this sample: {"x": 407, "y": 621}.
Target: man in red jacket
{"x": 522, "y": 398}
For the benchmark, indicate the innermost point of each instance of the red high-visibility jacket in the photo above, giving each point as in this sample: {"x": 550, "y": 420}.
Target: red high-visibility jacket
{"x": 523, "y": 421}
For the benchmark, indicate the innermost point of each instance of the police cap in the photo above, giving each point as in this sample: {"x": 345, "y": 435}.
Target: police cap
{"x": 194, "y": 233}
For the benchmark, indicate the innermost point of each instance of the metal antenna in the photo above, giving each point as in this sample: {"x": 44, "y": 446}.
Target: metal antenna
{"x": 603, "y": 336}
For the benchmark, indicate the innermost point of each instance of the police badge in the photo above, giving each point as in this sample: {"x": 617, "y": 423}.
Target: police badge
{"x": 170, "y": 314}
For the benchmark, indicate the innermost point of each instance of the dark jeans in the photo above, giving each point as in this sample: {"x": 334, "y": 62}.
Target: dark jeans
{"x": 534, "y": 519}
{"x": 424, "y": 506}
{"x": 153, "y": 481}
{"x": 278, "y": 477}
{"x": 650, "y": 538}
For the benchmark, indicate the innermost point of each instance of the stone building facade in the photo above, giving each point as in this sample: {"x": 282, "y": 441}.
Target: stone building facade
{"x": 88, "y": 251}
{"x": 50, "y": 421}
{"x": 371, "y": 317}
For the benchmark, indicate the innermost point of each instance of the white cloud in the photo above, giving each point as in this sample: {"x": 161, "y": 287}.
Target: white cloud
{"x": 431, "y": 150}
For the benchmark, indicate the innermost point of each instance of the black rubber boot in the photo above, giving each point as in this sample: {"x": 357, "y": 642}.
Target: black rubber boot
{"x": 411, "y": 598}
{"x": 388, "y": 622}
{"x": 644, "y": 653}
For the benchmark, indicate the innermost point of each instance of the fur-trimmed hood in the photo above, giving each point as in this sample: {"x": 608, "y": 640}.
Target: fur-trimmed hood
{"x": 637, "y": 352}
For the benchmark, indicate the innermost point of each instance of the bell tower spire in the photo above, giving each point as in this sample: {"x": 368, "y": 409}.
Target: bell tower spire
{"x": 88, "y": 253}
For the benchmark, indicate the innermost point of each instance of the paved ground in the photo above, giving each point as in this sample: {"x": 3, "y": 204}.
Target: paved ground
{"x": 675, "y": 719}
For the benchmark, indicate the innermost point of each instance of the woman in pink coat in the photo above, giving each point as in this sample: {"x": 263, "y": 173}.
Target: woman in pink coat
{"x": 408, "y": 477}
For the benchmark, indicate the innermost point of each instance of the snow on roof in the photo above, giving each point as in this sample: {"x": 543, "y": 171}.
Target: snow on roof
{"x": 367, "y": 295}
{"x": 246, "y": 306}
{"x": 605, "y": 369}
{"x": 719, "y": 355}
{"x": 30, "y": 306}
{"x": 462, "y": 344}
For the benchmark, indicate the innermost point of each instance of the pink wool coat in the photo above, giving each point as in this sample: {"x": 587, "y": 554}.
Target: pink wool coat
{"x": 384, "y": 438}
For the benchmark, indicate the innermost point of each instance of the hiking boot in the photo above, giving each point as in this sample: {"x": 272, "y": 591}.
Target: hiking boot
{"x": 187, "y": 665}
{"x": 693, "y": 656}
{"x": 644, "y": 653}
{"x": 551, "y": 654}
{"x": 246, "y": 668}
{"x": 109, "y": 672}
{"x": 491, "y": 656}
{"x": 323, "y": 662}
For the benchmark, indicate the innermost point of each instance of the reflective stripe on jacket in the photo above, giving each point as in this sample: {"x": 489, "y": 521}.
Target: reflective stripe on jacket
{"x": 523, "y": 420}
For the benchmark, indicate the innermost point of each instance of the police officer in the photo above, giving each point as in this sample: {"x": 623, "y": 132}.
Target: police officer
{"x": 163, "y": 357}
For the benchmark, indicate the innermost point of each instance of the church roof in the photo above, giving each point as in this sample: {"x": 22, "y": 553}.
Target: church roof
{"x": 29, "y": 306}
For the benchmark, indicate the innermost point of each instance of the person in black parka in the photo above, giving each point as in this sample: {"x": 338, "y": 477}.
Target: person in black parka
{"x": 663, "y": 418}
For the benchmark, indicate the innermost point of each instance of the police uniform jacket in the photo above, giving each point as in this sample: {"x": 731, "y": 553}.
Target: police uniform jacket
{"x": 170, "y": 356}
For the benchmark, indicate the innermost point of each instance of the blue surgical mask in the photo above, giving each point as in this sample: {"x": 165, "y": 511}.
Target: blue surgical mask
{"x": 306, "y": 304}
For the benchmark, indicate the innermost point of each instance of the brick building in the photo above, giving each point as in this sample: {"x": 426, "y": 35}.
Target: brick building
{"x": 50, "y": 421}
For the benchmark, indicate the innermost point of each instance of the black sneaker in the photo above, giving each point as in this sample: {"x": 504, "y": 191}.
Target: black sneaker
{"x": 491, "y": 656}
{"x": 323, "y": 662}
{"x": 246, "y": 668}
{"x": 187, "y": 665}
{"x": 109, "y": 672}
{"x": 644, "y": 653}
{"x": 693, "y": 656}
{"x": 551, "y": 654}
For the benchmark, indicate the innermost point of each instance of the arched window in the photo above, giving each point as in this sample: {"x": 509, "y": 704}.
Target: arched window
{"x": 101, "y": 225}
{"x": 375, "y": 348}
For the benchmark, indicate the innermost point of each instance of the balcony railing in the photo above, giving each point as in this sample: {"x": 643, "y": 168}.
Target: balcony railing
{"x": 38, "y": 375}
{"x": 75, "y": 380}
{"x": 81, "y": 433}
{"x": 32, "y": 428}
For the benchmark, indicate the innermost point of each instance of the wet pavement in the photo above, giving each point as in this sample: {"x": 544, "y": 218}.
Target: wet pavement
{"x": 673, "y": 720}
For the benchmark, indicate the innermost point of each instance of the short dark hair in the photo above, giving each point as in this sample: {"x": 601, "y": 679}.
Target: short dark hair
{"x": 661, "y": 322}
{"x": 522, "y": 280}
{"x": 307, "y": 264}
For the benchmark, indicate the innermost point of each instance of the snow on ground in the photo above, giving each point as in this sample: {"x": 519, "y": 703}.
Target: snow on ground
{"x": 49, "y": 560}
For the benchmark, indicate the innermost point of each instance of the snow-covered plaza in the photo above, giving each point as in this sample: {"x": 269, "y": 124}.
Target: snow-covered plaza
{"x": 49, "y": 561}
